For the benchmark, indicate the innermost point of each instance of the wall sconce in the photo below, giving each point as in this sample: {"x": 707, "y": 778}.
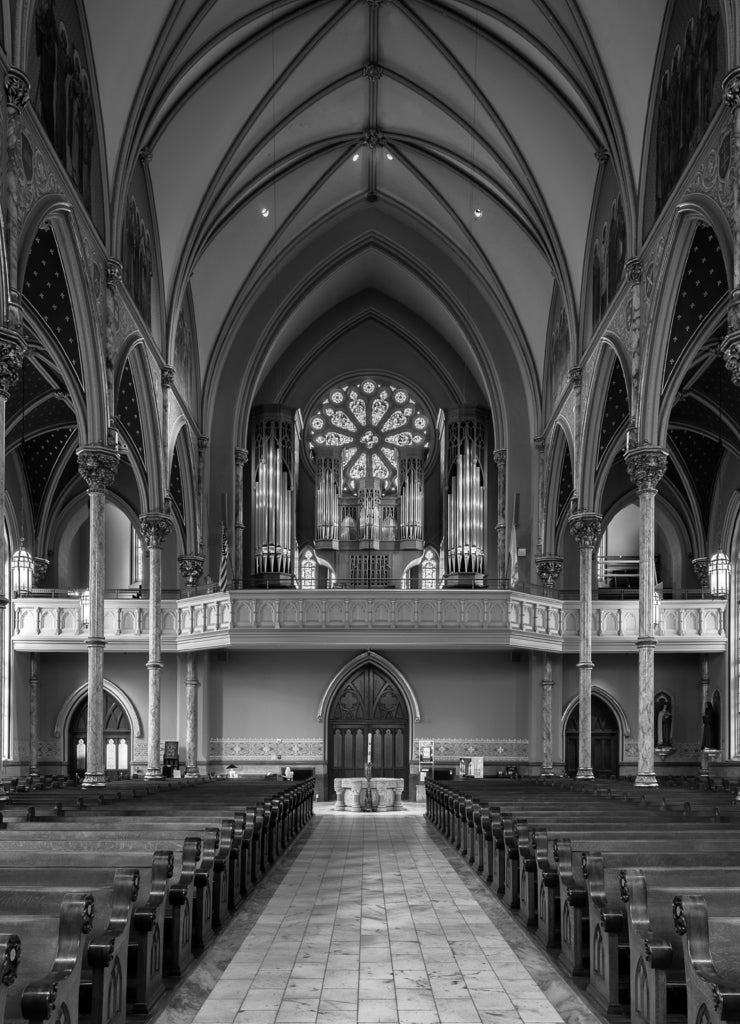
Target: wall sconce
{"x": 21, "y": 571}
{"x": 84, "y": 608}
{"x": 719, "y": 575}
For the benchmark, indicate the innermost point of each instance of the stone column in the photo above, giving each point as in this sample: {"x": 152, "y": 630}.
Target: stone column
{"x": 191, "y": 716}
{"x": 500, "y": 460}
{"x": 240, "y": 457}
{"x": 191, "y": 567}
{"x": 33, "y": 717}
{"x": 704, "y": 683}
{"x": 203, "y": 443}
{"x": 633, "y": 273}
{"x": 646, "y": 465}
{"x": 155, "y": 527}
{"x": 731, "y": 344}
{"x": 539, "y": 446}
{"x": 168, "y": 382}
{"x": 97, "y": 465}
{"x": 575, "y": 376}
{"x": 547, "y": 718}
{"x": 585, "y": 527}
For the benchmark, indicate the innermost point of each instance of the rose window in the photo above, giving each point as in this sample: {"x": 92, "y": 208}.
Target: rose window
{"x": 370, "y": 422}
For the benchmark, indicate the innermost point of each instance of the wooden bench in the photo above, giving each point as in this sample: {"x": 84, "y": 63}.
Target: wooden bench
{"x": 10, "y": 945}
{"x": 710, "y": 945}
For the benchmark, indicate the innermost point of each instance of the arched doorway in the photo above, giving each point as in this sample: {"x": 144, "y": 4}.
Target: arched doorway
{"x": 368, "y": 706}
{"x": 604, "y": 741}
{"x": 116, "y": 733}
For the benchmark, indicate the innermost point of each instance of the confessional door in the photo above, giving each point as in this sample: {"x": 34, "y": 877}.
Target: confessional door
{"x": 368, "y": 713}
{"x": 117, "y": 739}
{"x": 604, "y": 741}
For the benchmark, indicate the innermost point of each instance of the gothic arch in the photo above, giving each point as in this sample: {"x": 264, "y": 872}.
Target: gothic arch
{"x": 614, "y": 706}
{"x": 383, "y": 665}
{"x": 63, "y": 719}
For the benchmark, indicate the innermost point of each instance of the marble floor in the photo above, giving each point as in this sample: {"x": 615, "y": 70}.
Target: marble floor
{"x": 373, "y": 919}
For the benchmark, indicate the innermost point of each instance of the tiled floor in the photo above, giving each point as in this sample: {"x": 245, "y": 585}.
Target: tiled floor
{"x": 376, "y": 920}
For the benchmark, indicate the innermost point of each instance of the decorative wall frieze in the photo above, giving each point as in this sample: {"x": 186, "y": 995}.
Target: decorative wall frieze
{"x": 261, "y": 749}
{"x": 503, "y": 750}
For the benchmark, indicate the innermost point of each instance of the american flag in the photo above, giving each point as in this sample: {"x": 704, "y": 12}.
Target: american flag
{"x": 225, "y": 572}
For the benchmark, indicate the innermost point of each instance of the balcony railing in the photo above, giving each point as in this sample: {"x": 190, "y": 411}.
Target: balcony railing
{"x": 480, "y": 618}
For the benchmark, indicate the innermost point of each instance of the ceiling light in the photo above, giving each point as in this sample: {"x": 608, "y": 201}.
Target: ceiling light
{"x": 477, "y": 213}
{"x": 265, "y": 212}
{"x": 355, "y": 158}
{"x": 389, "y": 156}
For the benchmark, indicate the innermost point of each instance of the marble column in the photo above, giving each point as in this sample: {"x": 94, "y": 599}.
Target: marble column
{"x": 203, "y": 443}
{"x": 633, "y": 273}
{"x": 585, "y": 528}
{"x": 168, "y": 377}
{"x": 33, "y": 716}
{"x": 501, "y": 549}
{"x": 731, "y": 344}
{"x": 547, "y": 718}
{"x": 646, "y": 464}
{"x": 539, "y": 447}
{"x": 575, "y": 376}
{"x": 155, "y": 526}
{"x": 240, "y": 457}
{"x": 191, "y": 716}
{"x": 191, "y": 567}
{"x": 97, "y": 465}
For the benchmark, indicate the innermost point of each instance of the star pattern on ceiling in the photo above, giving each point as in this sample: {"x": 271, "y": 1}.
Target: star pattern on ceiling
{"x": 176, "y": 489}
{"x": 703, "y": 286}
{"x": 565, "y": 490}
{"x": 616, "y": 409}
{"x": 127, "y": 411}
{"x": 45, "y": 288}
{"x": 40, "y": 456}
{"x": 700, "y": 456}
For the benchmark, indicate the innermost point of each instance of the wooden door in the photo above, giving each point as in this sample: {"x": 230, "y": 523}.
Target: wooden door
{"x": 368, "y": 713}
{"x": 604, "y": 741}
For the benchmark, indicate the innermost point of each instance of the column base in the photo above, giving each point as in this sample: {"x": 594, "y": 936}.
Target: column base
{"x": 646, "y": 780}
{"x": 585, "y": 773}
{"x": 93, "y": 779}
{"x": 547, "y": 773}
{"x": 191, "y": 771}
{"x": 154, "y": 774}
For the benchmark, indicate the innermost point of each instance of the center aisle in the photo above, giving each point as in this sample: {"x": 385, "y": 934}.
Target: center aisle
{"x": 374, "y": 921}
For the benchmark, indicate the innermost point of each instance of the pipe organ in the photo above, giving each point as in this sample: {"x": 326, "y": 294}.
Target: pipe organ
{"x": 465, "y": 497}
{"x": 411, "y": 493}
{"x": 328, "y": 463}
{"x": 274, "y": 469}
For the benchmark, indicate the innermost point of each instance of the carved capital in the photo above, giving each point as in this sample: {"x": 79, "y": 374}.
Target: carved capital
{"x": 539, "y": 443}
{"x": 191, "y": 567}
{"x": 12, "y": 351}
{"x": 575, "y": 376}
{"x": 549, "y": 568}
{"x": 633, "y": 270}
{"x": 97, "y": 465}
{"x": 646, "y": 465}
{"x": 374, "y": 72}
{"x": 203, "y": 443}
{"x": 701, "y": 570}
{"x": 168, "y": 376}
{"x": 145, "y": 155}
{"x": 113, "y": 272}
{"x": 17, "y": 90}
{"x": 585, "y": 528}
{"x": 731, "y": 356}
{"x": 155, "y": 526}
{"x": 241, "y": 456}
{"x": 731, "y": 89}
{"x": 40, "y": 568}
{"x": 499, "y": 457}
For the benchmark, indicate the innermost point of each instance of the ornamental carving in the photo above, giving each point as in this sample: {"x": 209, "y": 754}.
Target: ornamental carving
{"x": 585, "y": 529}
{"x": 645, "y": 466}
{"x": 372, "y": 71}
{"x": 713, "y": 178}
{"x": 701, "y": 571}
{"x": 633, "y": 270}
{"x": 97, "y": 466}
{"x": 191, "y": 567}
{"x": 168, "y": 376}
{"x": 17, "y": 90}
{"x": 575, "y": 375}
{"x": 155, "y": 528}
{"x": 731, "y": 356}
{"x": 549, "y": 568}
{"x": 35, "y": 179}
{"x": 12, "y": 351}
{"x": 372, "y": 137}
{"x": 241, "y": 456}
{"x": 731, "y": 89}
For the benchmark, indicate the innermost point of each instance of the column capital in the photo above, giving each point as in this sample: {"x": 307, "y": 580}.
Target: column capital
{"x": 549, "y": 568}
{"x": 241, "y": 456}
{"x": 17, "y": 90}
{"x": 12, "y": 351}
{"x": 701, "y": 570}
{"x": 731, "y": 89}
{"x": 731, "y": 355}
{"x": 191, "y": 567}
{"x": 97, "y": 465}
{"x": 575, "y": 376}
{"x": 539, "y": 442}
{"x": 499, "y": 457}
{"x": 203, "y": 443}
{"x": 585, "y": 528}
{"x": 646, "y": 465}
{"x": 168, "y": 376}
{"x": 633, "y": 270}
{"x": 155, "y": 526}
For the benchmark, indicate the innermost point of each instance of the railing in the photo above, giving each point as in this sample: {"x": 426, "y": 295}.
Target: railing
{"x": 433, "y": 618}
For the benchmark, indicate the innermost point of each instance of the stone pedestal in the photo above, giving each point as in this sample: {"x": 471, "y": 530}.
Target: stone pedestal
{"x": 384, "y": 794}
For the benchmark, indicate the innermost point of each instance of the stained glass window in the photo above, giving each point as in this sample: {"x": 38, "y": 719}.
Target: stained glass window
{"x": 370, "y": 421}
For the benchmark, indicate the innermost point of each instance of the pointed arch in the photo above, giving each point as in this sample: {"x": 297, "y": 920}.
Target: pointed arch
{"x": 559, "y": 453}
{"x": 614, "y": 706}
{"x": 68, "y": 708}
{"x": 374, "y": 660}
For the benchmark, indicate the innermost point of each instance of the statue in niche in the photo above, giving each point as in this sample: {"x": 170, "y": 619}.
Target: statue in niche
{"x": 663, "y": 720}
{"x": 710, "y": 728}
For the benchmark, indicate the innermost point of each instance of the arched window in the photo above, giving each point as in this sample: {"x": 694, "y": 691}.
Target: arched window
{"x": 308, "y": 570}
{"x": 429, "y": 570}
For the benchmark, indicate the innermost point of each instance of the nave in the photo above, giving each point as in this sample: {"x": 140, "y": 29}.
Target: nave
{"x": 373, "y": 918}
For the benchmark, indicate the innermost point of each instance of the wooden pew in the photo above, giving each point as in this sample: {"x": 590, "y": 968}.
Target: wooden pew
{"x": 710, "y": 943}
{"x": 10, "y": 945}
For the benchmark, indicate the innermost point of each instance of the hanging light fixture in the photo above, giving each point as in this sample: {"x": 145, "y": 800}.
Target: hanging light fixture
{"x": 21, "y": 561}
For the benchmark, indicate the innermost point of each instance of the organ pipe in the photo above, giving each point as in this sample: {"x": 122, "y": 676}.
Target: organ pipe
{"x": 328, "y": 486}
{"x": 465, "y": 492}
{"x": 274, "y": 491}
